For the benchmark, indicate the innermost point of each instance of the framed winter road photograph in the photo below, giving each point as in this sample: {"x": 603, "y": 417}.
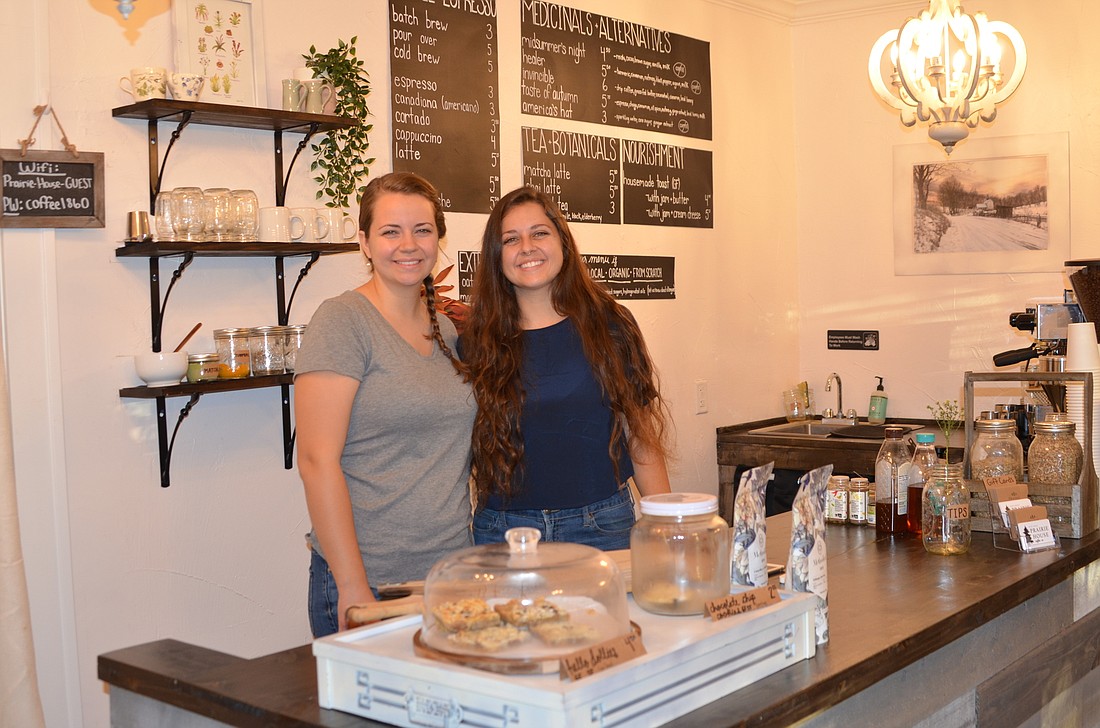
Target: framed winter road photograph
{"x": 222, "y": 40}
{"x": 995, "y": 205}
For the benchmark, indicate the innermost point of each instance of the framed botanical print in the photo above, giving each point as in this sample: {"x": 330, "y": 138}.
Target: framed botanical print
{"x": 223, "y": 40}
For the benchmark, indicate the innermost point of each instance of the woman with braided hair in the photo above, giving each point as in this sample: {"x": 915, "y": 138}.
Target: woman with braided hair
{"x": 569, "y": 409}
{"x": 383, "y": 414}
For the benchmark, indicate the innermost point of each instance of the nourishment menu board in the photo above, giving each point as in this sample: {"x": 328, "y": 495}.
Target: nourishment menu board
{"x": 446, "y": 115}
{"x": 667, "y": 185}
{"x": 579, "y": 65}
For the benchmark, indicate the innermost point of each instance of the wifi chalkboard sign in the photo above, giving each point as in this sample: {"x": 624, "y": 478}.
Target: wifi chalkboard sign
{"x": 51, "y": 189}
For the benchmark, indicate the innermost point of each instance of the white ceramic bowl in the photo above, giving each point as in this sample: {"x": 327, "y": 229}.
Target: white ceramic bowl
{"x": 161, "y": 369}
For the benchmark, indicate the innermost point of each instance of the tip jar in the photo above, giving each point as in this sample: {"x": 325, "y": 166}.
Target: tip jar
{"x": 945, "y": 510}
{"x": 679, "y": 553}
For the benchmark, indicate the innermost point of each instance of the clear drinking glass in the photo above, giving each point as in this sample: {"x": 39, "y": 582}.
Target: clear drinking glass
{"x": 246, "y": 207}
{"x": 163, "y": 210}
{"x": 219, "y": 213}
{"x": 188, "y": 218}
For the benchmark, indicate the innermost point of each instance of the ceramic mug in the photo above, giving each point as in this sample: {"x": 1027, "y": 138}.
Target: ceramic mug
{"x": 279, "y": 225}
{"x": 294, "y": 95}
{"x": 186, "y": 86}
{"x": 342, "y": 227}
{"x": 318, "y": 92}
{"x": 146, "y": 82}
{"x": 314, "y": 226}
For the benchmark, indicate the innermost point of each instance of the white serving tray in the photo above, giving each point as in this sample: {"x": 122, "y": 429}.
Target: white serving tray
{"x": 689, "y": 662}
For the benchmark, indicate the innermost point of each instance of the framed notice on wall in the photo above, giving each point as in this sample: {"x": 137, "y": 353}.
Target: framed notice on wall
{"x": 51, "y": 189}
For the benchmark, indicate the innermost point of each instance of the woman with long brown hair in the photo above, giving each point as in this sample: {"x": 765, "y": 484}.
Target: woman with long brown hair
{"x": 383, "y": 413}
{"x": 569, "y": 407}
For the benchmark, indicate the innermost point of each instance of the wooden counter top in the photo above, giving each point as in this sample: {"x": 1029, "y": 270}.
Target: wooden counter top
{"x": 890, "y": 605}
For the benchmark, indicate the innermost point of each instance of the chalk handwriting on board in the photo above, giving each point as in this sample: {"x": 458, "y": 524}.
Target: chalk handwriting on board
{"x": 51, "y": 189}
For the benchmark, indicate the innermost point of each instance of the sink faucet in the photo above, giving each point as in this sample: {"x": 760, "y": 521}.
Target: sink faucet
{"x": 839, "y": 396}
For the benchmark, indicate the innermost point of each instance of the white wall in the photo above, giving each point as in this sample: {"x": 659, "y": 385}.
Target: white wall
{"x": 218, "y": 559}
{"x": 933, "y": 327}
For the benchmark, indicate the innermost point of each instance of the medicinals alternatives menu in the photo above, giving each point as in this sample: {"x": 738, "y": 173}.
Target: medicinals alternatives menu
{"x": 446, "y": 116}
{"x": 587, "y": 67}
{"x": 580, "y": 66}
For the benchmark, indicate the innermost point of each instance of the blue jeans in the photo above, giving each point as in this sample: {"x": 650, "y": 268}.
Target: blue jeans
{"x": 324, "y": 598}
{"x": 604, "y": 524}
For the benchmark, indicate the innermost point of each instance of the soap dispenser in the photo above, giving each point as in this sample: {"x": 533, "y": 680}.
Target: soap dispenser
{"x": 876, "y": 412}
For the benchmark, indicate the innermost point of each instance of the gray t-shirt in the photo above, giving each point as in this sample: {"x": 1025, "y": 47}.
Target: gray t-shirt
{"x": 407, "y": 454}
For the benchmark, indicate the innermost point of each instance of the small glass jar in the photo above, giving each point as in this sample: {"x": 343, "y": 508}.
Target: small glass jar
{"x": 233, "y": 357}
{"x": 836, "y": 500}
{"x": 267, "y": 346}
{"x": 945, "y": 508}
{"x": 202, "y": 367}
{"x": 1055, "y": 455}
{"x": 872, "y": 516}
{"x": 294, "y": 335}
{"x": 858, "y": 493}
{"x": 996, "y": 450}
{"x": 679, "y": 553}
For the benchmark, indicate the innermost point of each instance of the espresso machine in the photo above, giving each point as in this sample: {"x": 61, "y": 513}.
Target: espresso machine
{"x": 1048, "y": 323}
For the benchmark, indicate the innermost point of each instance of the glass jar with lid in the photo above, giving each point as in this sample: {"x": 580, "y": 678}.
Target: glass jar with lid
{"x": 522, "y": 602}
{"x": 679, "y": 553}
{"x": 293, "y": 342}
{"x": 233, "y": 356}
{"x": 945, "y": 522}
{"x": 267, "y": 347}
{"x": 1055, "y": 456}
{"x": 996, "y": 450}
{"x": 202, "y": 367}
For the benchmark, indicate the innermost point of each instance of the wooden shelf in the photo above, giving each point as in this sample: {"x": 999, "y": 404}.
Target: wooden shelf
{"x": 231, "y": 250}
{"x": 240, "y": 117}
{"x": 185, "y": 389}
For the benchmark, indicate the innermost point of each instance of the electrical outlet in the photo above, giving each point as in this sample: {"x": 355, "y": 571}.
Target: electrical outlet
{"x": 700, "y": 396}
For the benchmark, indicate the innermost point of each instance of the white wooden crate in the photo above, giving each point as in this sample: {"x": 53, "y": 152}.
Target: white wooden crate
{"x": 689, "y": 662}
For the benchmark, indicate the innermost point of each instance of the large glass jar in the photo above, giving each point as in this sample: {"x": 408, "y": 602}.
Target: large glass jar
{"x": 945, "y": 506}
{"x": 267, "y": 347}
{"x": 996, "y": 450}
{"x": 233, "y": 357}
{"x": 294, "y": 335}
{"x": 679, "y": 553}
{"x": 1055, "y": 456}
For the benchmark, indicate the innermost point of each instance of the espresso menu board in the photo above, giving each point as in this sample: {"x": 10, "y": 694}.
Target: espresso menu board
{"x": 625, "y": 277}
{"x": 583, "y": 66}
{"x": 446, "y": 118}
{"x": 51, "y": 189}
{"x": 578, "y": 171}
{"x": 667, "y": 185}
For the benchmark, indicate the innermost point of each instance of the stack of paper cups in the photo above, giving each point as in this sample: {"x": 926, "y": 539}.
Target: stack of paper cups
{"x": 1083, "y": 355}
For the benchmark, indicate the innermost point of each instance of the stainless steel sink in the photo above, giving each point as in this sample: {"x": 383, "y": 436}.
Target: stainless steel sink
{"x": 807, "y": 428}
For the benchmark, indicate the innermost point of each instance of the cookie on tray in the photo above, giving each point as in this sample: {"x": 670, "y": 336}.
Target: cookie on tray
{"x": 536, "y": 612}
{"x": 490, "y": 639}
{"x": 466, "y": 614}
{"x": 564, "y": 633}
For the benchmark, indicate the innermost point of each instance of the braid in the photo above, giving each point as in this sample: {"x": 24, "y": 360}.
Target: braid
{"x": 437, "y": 335}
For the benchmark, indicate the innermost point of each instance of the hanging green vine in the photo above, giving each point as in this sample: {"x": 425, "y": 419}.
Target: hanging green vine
{"x": 341, "y": 155}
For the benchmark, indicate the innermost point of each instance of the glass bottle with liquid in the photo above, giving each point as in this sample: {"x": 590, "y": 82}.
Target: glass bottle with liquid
{"x": 892, "y": 483}
{"x": 924, "y": 459}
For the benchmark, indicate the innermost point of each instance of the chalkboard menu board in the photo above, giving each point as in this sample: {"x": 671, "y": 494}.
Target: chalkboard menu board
{"x": 626, "y": 277}
{"x": 446, "y": 116}
{"x": 667, "y": 185}
{"x": 51, "y": 189}
{"x": 578, "y": 171}
{"x": 584, "y": 66}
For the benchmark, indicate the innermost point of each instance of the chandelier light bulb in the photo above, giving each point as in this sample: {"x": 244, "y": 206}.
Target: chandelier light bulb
{"x": 943, "y": 68}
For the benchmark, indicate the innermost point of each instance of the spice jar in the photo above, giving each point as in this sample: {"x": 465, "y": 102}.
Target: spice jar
{"x": 679, "y": 553}
{"x": 945, "y": 509}
{"x": 871, "y": 520}
{"x": 1055, "y": 455}
{"x": 202, "y": 367}
{"x": 996, "y": 450}
{"x": 858, "y": 498}
{"x": 233, "y": 358}
{"x": 836, "y": 500}
{"x": 293, "y": 342}
{"x": 266, "y": 345}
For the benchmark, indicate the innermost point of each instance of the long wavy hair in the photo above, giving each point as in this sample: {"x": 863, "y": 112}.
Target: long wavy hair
{"x": 409, "y": 183}
{"x": 492, "y": 351}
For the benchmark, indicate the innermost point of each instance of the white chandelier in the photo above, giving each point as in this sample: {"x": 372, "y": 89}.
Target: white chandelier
{"x": 944, "y": 68}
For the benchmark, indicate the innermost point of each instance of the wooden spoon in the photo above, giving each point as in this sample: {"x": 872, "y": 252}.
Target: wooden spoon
{"x": 188, "y": 337}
